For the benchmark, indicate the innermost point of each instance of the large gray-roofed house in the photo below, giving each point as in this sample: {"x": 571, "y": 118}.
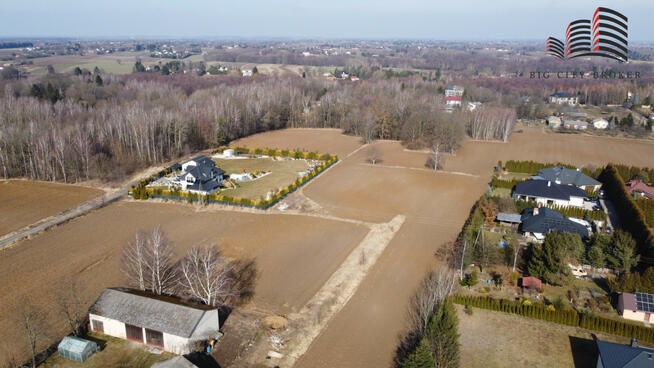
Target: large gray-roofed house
{"x": 546, "y": 192}
{"x": 164, "y": 322}
{"x": 565, "y": 176}
{"x": 612, "y": 355}
{"x": 540, "y": 221}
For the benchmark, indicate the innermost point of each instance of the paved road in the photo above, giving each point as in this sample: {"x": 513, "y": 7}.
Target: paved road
{"x": 82, "y": 209}
{"x": 612, "y": 219}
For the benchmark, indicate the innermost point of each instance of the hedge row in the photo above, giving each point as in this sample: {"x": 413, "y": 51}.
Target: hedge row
{"x": 633, "y": 218}
{"x": 597, "y": 215}
{"x": 530, "y": 167}
{"x": 507, "y": 184}
{"x": 298, "y": 154}
{"x": 628, "y": 172}
{"x": 647, "y": 206}
{"x": 568, "y": 317}
{"x": 140, "y": 191}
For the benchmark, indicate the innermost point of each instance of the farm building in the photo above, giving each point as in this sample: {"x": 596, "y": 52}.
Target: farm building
{"x": 536, "y": 222}
{"x": 563, "y": 175}
{"x": 228, "y": 152}
{"x": 636, "y": 307}
{"x": 553, "y": 122}
{"x": 77, "y": 349}
{"x": 612, "y": 355}
{"x": 164, "y": 322}
{"x": 546, "y": 192}
{"x": 600, "y": 123}
{"x": 575, "y": 124}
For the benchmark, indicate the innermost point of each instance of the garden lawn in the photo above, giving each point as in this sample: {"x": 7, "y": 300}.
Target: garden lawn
{"x": 282, "y": 174}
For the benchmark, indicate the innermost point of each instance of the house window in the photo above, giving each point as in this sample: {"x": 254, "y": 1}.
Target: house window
{"x": 97, "y": 326}
{"x": 190, "y": 179}
{"x": 154, "y": 337}
{"x": 134, "y": 333}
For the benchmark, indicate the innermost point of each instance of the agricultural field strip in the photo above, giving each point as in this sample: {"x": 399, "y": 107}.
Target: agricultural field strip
{"x": 340, "y": 287}
{"x": 63, "y": 217}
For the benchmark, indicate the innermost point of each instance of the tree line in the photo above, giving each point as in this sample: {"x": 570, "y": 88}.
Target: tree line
{"x": 77, "y": 127}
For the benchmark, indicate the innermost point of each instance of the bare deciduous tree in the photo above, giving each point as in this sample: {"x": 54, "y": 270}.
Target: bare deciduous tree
{"x": 435, "y": 160}
{"x": 32, "y": 321}
{"x": 133, "y": 262}
{"x": 206, "y": 276}
{"x": 374, "y": 154}
{"x": 435, "y": 287}
{"x": 148, "y": 262}
{"x": 160, "y": 254}
{"x": 72, "y": 306}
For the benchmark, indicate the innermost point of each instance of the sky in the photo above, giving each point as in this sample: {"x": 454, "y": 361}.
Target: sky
{"x": 342, "y": 19}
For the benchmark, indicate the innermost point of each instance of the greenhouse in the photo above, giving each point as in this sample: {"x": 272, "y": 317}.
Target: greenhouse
{"x": 77, "y": 349}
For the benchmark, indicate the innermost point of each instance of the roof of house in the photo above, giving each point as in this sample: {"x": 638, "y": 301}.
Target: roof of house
{"x": 565, "y": 176}
{"x": 615, "y": 355}
{"x": 562, "y": 94}
{"x": 453, "y": 98}
{"x": 548, "y": 189}
{"x": 642, "y": 302}
{"x": 203, "y": 160}
{"x": 543, "y": 220}
{"x": 531, "y": 281}
{"x": 176, "y": 362}
{"x": 640, "y": 186}
{"x": 160, "y": 313}
{"x": 509, "y": 217}
{"x": 205, "y": 172}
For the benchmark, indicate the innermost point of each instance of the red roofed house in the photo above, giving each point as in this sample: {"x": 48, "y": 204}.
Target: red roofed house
{"x": 531, "y": 282}
{"x": 639, "y": 187}
{"x": 453, "y": 100}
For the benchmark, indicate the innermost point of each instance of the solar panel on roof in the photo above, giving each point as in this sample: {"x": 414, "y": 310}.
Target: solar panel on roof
{"x": 645, "y": 302}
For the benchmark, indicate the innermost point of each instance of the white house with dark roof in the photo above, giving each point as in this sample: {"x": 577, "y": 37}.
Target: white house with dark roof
{"x": 199, "y": 175}
{"x": 538, "y": 222}
{"x": 164, "y": 322}
{"x": 636, "y": 307}
{"x": 546, "y": 192}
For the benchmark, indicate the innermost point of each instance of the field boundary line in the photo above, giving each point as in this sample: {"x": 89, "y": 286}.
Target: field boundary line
{"x": 339, "y": 289}
{"x": 357, "y": 150}
{"x": 421, "y": 169}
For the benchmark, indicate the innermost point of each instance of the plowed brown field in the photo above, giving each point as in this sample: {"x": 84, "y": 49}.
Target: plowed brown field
{"x": 24, "y": 202}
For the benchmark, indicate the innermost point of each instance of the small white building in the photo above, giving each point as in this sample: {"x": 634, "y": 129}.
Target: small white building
{"x": 563, "y": 98}
{"x": 600, "y": 123}
{"x": 167, "y": 323}
{"x": 246, "y": 72}
{"x": 228, "y": 152}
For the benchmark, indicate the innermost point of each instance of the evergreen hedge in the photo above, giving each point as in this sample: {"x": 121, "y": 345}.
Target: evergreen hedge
{"x": 568, "y": 317}
{"x": 577, "y": 212}
{"x": 633, "y": 218}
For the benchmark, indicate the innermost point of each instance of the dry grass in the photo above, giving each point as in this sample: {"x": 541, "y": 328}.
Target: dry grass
{"x": 24, "y": 202}
{"x": 116, "y": 353}
{"x": 494, "y": 339}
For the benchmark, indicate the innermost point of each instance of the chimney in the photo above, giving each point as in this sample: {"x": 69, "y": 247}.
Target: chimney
{"x": 634, "y": 343}
{"x": 549, "y": 183}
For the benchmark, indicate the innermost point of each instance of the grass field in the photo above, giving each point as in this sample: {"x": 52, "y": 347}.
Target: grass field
{"x": 282, "y": 174}
{"x": 115, "y": 353}
{"x": 24, "y": 202}
{"x": 493, "y": 339}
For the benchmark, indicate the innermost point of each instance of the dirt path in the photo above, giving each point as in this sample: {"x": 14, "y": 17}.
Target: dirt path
{"x": 338, "y": 290}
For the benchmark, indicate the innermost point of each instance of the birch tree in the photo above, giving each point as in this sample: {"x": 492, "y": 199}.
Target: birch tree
{"x": 206, "y": 276}
{"x": 159, "y": 255}
{"x": 133, "y": 261}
